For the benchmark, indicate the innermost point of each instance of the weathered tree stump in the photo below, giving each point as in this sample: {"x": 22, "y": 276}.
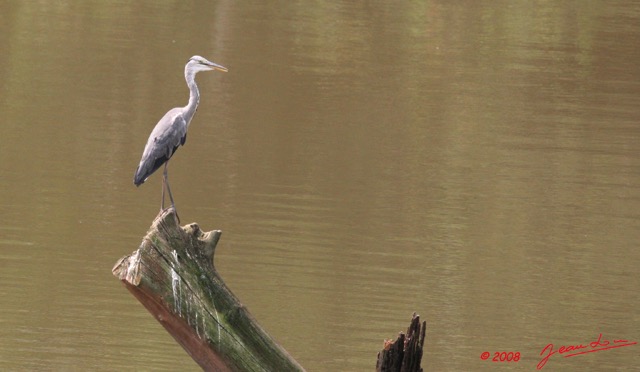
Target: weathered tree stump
{"x": 405, "y": 354}
{"x": 172, "y": 274}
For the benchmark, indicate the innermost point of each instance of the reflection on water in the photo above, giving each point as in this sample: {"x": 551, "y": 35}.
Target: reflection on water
{"x": 473, "y": 163}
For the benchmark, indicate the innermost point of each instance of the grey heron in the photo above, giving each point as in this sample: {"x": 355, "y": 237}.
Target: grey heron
{"x": 171, "y": 130}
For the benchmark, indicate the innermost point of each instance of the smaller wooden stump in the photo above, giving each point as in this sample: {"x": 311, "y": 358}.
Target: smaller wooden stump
{"x": 405, "y": 354}
{"x": 172, "y": 274}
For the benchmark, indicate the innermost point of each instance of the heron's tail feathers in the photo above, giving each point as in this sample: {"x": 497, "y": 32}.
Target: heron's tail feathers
{"x": 147, "y": 166}
{"x": 138, "y": 177}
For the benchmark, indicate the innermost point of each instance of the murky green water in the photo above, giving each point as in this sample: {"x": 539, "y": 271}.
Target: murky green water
{"x": 474, "y": 162}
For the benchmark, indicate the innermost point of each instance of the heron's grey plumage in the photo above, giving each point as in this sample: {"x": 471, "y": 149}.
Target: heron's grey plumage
{"x": 171, "y": 131}
{"x": 162, "y": 144}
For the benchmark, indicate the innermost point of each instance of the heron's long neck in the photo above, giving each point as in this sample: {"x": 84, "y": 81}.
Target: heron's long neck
{"x": 194, "y": 97}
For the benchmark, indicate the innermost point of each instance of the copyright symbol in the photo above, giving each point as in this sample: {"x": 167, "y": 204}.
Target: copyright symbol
{"x": 485, "y": 355}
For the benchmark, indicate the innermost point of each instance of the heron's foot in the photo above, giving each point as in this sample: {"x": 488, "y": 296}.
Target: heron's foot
{"x": 174, "y": 211}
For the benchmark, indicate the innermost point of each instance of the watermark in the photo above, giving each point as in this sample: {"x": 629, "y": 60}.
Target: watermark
{"x": 566, "y": 351}
{"x": 580, "y": 349}
{"x": 502, "y": 356}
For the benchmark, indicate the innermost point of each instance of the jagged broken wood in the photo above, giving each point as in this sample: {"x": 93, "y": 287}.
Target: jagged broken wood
{"x": 405, "y": 354}
{"x": 172, "y": 274}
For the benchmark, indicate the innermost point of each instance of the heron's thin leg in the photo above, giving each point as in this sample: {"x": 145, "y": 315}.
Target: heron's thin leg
{"x": 164, "y": 177}
{"x": 166, "y": 182}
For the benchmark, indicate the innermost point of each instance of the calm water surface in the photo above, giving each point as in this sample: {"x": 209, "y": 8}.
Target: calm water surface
{"x": 473, "y": 162}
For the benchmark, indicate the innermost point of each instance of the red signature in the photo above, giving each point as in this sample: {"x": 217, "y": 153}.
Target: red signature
{"x": 592, "y": 347}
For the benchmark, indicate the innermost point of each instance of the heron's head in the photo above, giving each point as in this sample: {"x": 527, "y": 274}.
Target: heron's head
{"x": 197, "y": 64}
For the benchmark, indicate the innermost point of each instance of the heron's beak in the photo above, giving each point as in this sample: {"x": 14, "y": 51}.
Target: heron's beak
{"x": 218, "y": 67}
